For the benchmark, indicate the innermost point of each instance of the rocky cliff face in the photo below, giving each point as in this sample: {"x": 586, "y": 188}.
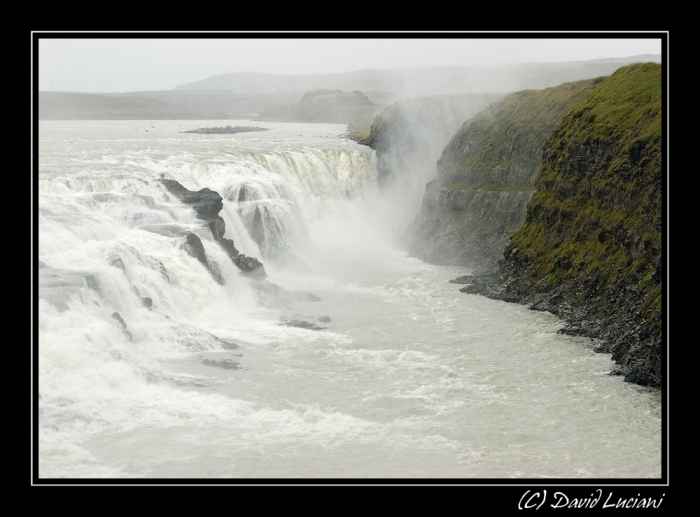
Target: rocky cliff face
{"x": 486, "y": 176}
{"x": 208, "y": 204}
{"x": 408, "y": 138}
{"x": 590, "y": 248}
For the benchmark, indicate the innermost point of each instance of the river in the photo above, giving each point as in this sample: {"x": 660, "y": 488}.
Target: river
{"x": 409, "y": 379}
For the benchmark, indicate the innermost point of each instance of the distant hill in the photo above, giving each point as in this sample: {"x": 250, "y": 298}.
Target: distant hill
{"x": 410, "y": 82}
{"x": 331, "y": 106}
{"x": 218, "y": 104}
{"x": 88, "y": 106}
{"x": 164, "y": 104}
{"x": 244, "y": 95}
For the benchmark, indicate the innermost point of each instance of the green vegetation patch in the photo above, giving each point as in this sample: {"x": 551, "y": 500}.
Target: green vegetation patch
{"x": 497, "y": 187}
{"x": 597, "y": 214}
{"x": 511, "y": 132}
{"x": 625, "y": 109}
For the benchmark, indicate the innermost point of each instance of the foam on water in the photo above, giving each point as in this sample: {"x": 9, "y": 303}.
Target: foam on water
{"x": 410, "y": 378}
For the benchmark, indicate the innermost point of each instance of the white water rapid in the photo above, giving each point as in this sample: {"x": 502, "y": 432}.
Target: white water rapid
{"x": 139, "y": 378}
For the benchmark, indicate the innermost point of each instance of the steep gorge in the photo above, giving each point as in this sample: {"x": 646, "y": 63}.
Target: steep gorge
{"x": 554, "y": 199}
{"x": 591, "y": 247}
{"x": 486, "y": 176}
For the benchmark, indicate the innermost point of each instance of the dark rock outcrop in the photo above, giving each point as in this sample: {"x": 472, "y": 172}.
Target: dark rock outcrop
{"x": 193, "y": 245}
{"x": 122, "y": 324}
{"x": 226, "y": 364}
{"x": 228, "y": 130}
{"x": 302, "y": 324}
{"x": 208, "y": 204}
{"x": 248, "y": 265}
{"x": 590, "y": 249}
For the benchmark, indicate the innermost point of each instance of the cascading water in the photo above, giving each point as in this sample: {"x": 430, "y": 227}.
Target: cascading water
{"x": 270, "y": 214}
{"x": 153, "y": 363}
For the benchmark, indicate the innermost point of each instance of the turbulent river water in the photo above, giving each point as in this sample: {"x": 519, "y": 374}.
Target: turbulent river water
{"x": 409, "y": 379}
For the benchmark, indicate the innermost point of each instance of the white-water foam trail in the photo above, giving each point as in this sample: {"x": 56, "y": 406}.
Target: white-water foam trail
{"x": 410, "y": 378}
{"x": 118, "y": 290}
{"x": 275, "y": 194}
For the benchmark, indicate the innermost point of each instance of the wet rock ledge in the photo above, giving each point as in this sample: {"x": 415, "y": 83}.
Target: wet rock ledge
{"x": 208, "y": 203}
{"x": 228, "y": 130}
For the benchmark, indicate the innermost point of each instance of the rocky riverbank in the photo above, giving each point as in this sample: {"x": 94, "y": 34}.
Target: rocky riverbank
{"x": 590, "y": 248}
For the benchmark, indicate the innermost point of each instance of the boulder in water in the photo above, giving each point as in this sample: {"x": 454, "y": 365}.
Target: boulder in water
{"x": 302, "y": 325}
{"x": 226, "y": 364}
{"x": 193, "y": 245}
{"x": 122, "y": 323}
{"x": 228, "y": 130}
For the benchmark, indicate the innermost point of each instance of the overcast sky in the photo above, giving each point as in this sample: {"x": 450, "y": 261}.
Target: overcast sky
{"x": 135, "y": 64}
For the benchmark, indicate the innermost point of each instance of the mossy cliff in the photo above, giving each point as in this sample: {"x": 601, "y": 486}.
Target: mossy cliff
{"x": 486, "y": 176}
{"x": 590, "y": 248}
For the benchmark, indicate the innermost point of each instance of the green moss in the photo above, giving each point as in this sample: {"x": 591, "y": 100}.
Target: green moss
{"x": 625, "y": 108}
{"x": 510, "y": 133}
{"x": 497, "y": 187}
{"x": 597, "y": 211}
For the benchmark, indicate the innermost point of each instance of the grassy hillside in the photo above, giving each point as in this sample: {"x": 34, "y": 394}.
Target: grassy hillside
{"x": 598, "y": 201}
{"x": 486, "y": 175}
{"x": 508, "y": 135}
{"x": 590, "y": 249}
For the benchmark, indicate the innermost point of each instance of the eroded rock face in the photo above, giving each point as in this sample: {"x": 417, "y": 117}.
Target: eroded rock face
{"x": 193, "y": 245}
{"x": 208, "y": 203}
{"x": 590, "y": 248}
{"x": 486, "y": 176}
{"x": 466, "y": 227}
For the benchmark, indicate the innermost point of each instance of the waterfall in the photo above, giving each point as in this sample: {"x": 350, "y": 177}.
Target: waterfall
{"x": 114, "y": 245}
{"x": 158, "y": 357}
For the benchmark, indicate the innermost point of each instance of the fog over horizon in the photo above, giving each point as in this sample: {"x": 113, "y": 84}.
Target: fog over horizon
{"x": 122, "y": 64}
